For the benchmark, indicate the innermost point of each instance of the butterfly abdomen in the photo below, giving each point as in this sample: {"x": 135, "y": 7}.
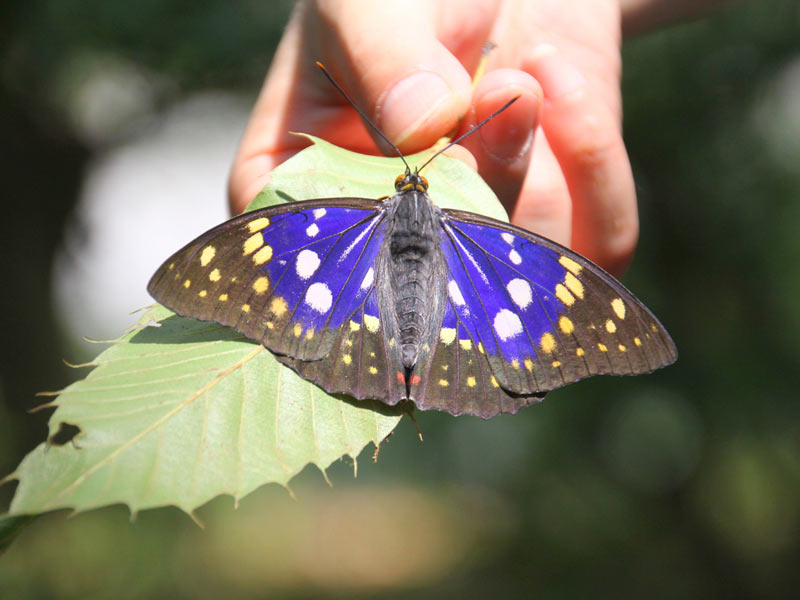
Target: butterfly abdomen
{"x": 414, "y": 262}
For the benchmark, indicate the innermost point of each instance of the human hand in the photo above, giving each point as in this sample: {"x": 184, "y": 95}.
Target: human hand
{"x": 408, "y": 65}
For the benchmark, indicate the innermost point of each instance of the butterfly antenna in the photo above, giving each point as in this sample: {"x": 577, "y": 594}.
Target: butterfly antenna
{"x": 470, "y": 132}
{"x": 363, "y": 116}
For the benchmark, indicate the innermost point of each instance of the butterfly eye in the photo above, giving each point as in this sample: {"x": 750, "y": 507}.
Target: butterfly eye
{"x": 424, "y": 182}
{"x": 398, "y": 183}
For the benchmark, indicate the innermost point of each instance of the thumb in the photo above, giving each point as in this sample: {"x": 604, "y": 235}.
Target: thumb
{"x": 412, "y": 87}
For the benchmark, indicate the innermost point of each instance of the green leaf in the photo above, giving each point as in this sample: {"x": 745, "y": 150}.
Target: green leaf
{"x": 179, "y": 411}
{"x": 327, "y": 171}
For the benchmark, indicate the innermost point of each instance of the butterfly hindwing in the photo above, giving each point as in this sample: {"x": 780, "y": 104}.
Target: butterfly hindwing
{"x": 543, "y": 315}
{"x": 460, "y": 380}
{"x": 361, "y": 362}
{"x": 286, "y": 276}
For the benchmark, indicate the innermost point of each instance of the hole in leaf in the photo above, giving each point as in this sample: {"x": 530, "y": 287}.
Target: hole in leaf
{"x": 66, "y": 433}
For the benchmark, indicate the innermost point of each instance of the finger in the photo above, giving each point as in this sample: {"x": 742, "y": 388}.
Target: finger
{"x": 544, "y": 205}
{"x": 503, "y": 146}
{"x": 415, "y": 89}
{"x": 586, "y": 140}
{"x": 416, "y": 92}
{"x": 266, "y": 141}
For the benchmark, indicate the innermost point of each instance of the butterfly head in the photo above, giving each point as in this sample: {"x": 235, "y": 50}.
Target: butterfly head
{"x": 411, "y": 181}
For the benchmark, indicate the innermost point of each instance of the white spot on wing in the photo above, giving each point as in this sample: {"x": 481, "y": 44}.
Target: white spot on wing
{"x": 509, "y": 239}
{"x": 520, "y": 292}
{"x": 368, "y": 279}
{"x": 507, "y": 324}
{"x": 319, "y": 213}
{"x": 455, "y": 293}
{"x": 307, "y": 263}
{"x": 514, "y": 257}
{"x": 319, "y": 297}
{"x": 312, "y": 230}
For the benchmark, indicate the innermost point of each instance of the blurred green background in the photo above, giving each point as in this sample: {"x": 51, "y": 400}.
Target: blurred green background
{"x": 685, "y": 483}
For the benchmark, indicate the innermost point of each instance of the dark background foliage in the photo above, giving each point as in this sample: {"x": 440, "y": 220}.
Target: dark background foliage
{"x": 683, "y": 484}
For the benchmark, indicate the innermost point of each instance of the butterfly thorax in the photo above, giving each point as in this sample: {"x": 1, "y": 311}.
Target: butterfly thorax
{"x": 414, "y": 265}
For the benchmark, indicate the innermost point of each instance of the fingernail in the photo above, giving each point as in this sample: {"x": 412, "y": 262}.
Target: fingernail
{"x": 411, "y": 102}
{"x": 556, "y": 74}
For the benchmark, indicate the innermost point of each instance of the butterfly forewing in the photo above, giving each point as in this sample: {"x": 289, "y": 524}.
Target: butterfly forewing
{"x": 544, "y": 315}
{"x": 286, "y": 276}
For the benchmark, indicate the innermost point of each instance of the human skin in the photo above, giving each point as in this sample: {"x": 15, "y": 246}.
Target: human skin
{"x": 555, "y": 158}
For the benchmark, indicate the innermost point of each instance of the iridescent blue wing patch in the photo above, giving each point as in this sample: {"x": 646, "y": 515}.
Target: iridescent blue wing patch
{"x": 287, "y": 276}
{"x": 537, "y": 315}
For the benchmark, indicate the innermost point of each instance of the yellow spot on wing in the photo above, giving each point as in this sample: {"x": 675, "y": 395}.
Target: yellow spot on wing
{"x": 480, "y": 347}
{"x": 548, "y": 343}
{"x": 310, "y": 334}
{"x": 253, "y": 243}
{"x": 574, "y": 285}
{"x": 619, "y": 307}
{"x": 602, "y": 347}
{"x": 261, "y": 285}
{"x": 471, "y": 381}
{"x": 373, "y": 370}
{"x": 371, "y": 323}
{"x": 566, "y": 325}
{"x": 447, "y": 335}
{"x": 223, "y": 297}
{"x": 515, "y": 363}
{"x": 298, "y": 330}
{"x": 214, "y": 275}
{"x": 202, "y": 293}
{"x": 466, "y": 345}
{"x": 262, "y": 255}
{"x": 347, "y": 359}
{"x": 528, "y": 364}
{"x": 258, "y": 224}
{"x": 278, "y": 306}
{"x": 622, "y": 348}
{"x": 207, "y": 255}
{"x": 187, "y": 283}
{"x": 570, "y": 265}
{"x": 580, "y": 352}
{"x": 563, "y": 294}
{"x": 556, "y": 364}
{"x": 494, "y": 382}
{"x": 354, "y": 326}
{"x": 611, "y": 327}
{"x": 637, "y": 341}
{"x": 270, "y": 325}
{"x": 443, "y": 382}
{"x": 245, "y": 308}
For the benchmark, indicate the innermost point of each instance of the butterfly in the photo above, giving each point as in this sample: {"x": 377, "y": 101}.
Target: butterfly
{"x": 397, "y": 299}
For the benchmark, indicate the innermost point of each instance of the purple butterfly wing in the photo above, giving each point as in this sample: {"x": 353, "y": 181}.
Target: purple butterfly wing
{"x": 540, "y": 315}
{"x": 286, "y": 276}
